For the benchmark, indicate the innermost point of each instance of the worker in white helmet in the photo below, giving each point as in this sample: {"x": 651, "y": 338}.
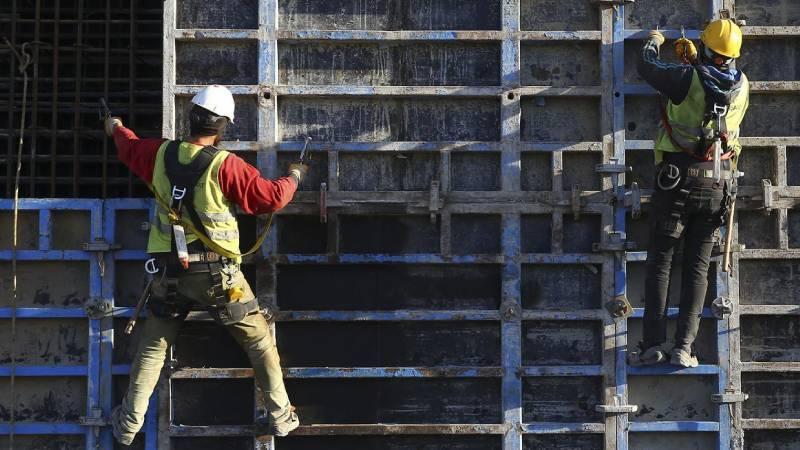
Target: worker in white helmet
{"x": 194, "y": 245}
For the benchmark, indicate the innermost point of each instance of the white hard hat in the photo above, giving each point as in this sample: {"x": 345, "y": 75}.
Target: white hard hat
{"x": 217, "y": 99}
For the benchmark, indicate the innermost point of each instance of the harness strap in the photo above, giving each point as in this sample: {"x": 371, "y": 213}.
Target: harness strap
{"x": 669, "y": 132}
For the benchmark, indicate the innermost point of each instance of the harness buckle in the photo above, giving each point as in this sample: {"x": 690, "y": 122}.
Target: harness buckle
{"x": 720, "y": 110}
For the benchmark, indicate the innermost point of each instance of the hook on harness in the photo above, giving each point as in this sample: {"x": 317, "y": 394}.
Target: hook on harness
{"x": 674, "y": 177}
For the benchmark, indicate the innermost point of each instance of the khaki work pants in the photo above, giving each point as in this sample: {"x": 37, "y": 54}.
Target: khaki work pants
{"x": 252, "y": 334}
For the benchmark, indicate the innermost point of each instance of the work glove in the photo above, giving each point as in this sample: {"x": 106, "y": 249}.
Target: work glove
{"x": 298, "y": 171}
{"x": 111, "y": 123}
{"x": 656, "y": 36}
{"x": 685, "y": 50}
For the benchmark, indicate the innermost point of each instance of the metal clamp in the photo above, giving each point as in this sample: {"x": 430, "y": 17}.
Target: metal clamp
{"x": 94, "y": 419}
{"x": 510, "y": 311}
{"x": 619, "y": 307}
{"x": 617, "y": 407}
{"x": 730, "y": 396}
{"x": 323, "y": 203}
{"x": 99, "y": 245}
{"x": 615, "y": 242}
{"x": 768, "y": 191}
{"x": 633, "y": 200}
{"x": 576, "y": 201}
{"x": 611, "y": 169}
{"x": 98, "y": 307}
{"x": 434, "y": 206}
{"x": 721, "y": 306}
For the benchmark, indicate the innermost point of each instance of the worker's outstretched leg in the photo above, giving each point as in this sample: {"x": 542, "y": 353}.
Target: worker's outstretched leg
{"x": 253, "y": 334}
{"x": 158, "y": 334}
{"x": 699, "y": 242}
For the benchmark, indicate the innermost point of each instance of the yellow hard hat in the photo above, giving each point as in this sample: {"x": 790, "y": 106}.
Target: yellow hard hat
{"x": 723, "y": 37}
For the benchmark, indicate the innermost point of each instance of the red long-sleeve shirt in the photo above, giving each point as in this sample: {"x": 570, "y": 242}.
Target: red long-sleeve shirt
{"x": 240, "y": 182}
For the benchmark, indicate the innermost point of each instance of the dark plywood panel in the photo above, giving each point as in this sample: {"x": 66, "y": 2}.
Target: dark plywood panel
{"x": 759, "y": 57}
{"x": 794, "y": 229}
{"x": 212, "y": 443}
{"x": 757, "y": 163}
{"x": 758, "y": 230}
{"x": 475, "y": 234}
{"x": 213, "y": 402}
{"x": 229, "y": 62}
{"x": 536, "y": 233}
{"x": 643, "y": 164}
{"x": 130, "y": 279}
{"x": 793, "y": 166}
{"x": 705, "y": 346}
{"x": 560, "y": 286}
{"x": 560, "y": 64}
{"x": 411, "y": 171}
{"x": 689, "y": 398}
{"x": 475, "y": 442}
{"x": 390, "y": 64}
{"x": 387, "y": 287}
{"x": 769, "y": 12}
{"x": 389, "y": 344}
{"x": 244, "y": 128}
{"x": 59, "y": 399}
{"x": 475, "y": 171}
{"x": 537, "y": 172}
{"x": 649, "y": 14}
{"x": 772, "y": 395}
{"x": 388, "y": 234}
{"x": 772, "y": 115}
{"x": 230, "y": 14}
{"x": 556, "y": 15}
{"x": 27, "y": 230}
{"x": 769, "y": 282}
{"x": 50, "y": 284}
{"x": 389, "y": 119}
{"x": 561, "y": 399}
{"x": 579, "y": 170}
{"x": 770, "y": 338}
{"x": 45, "y": 341}
{"x": 70, "y": 229}
{"x": 548, "y": 343}
{"x": 672, "y": 441}
{"x": 638, "y": 231}
{"x": 562, "y": 441}
{"x": 206, "y": 344}
{"x": 642, "y": 117}
{"x": 301, "y": 234}
{"x": 560, "y": 119}
{"x": 772, "y": 439}
{"x": 579, "y": 235}
{"x": 459, "y": 400}
{"x": 50, "y": 442}
{"x": 129, "y": 232}
{"x": 389, "y": 15}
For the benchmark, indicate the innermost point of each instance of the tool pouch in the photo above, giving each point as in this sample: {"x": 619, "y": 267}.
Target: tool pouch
{"x": 233, "y": 312}
{"x": 164, "y": 301}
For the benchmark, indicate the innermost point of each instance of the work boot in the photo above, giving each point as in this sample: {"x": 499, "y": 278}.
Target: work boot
{"x": 115, "y": 425}
{"x": 683, "y": 358}
{"x": 648, "y": 357}
{"x": 265, "y": 426}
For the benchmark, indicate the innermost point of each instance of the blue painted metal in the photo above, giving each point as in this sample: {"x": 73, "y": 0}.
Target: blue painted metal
{"x": 43, "y": 313}
{"x": 561, "y": 371}
{"x": 703, "y": 369}
{"x": 562, "y": 428}
{"x": 43, "y": 428}
{"x": 674, "y": 426}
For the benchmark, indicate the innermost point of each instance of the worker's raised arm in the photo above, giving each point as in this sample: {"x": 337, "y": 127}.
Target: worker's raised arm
{"x": 672, "y": 80}
{"x": 243, "y": 185}
{"x": 138, "y": 154}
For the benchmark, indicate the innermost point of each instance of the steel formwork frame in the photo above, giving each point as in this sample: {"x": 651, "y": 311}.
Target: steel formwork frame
{"x": 509, "y": 203}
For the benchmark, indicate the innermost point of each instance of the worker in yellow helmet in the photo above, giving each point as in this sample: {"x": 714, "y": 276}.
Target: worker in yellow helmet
{"x": 704, "y": 100}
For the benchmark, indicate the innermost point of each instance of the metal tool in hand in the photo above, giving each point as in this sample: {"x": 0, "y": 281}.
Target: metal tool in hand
{"x": 305, "y": 157}
{"x": 139, "y": 305}
{"x": 104, "y": 111}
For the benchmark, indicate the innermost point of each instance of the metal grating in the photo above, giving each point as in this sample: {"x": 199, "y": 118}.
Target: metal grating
{"x": 81, "y": 50}
{"x": 443, "y": 284}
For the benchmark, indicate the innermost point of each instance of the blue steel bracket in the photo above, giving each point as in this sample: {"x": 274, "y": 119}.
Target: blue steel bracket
{"x": 100, "y": 245}
{"x": 615, "y": 242}
{"x": 97, "y": 307}
{"x": 94, "y": 419}
{"x": 617, "y": 407}
{"x": 730, "y": 396}
{"x": 610, "y": 169}
{"x": 768, "y": 200}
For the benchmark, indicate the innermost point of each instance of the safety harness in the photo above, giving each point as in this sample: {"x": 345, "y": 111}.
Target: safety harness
{"x": 183, "y": 178}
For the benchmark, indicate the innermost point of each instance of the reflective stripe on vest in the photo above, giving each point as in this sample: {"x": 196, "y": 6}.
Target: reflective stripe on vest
{"x": 214, "y": 210}
{"x": 686, "y": 119}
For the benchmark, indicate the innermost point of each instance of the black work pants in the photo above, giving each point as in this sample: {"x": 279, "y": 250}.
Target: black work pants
{"x": 695, "y": 223}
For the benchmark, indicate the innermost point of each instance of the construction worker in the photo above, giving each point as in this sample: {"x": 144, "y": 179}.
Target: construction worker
{"x": 703, "y": 103}
{"x": 203, "y": 184}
